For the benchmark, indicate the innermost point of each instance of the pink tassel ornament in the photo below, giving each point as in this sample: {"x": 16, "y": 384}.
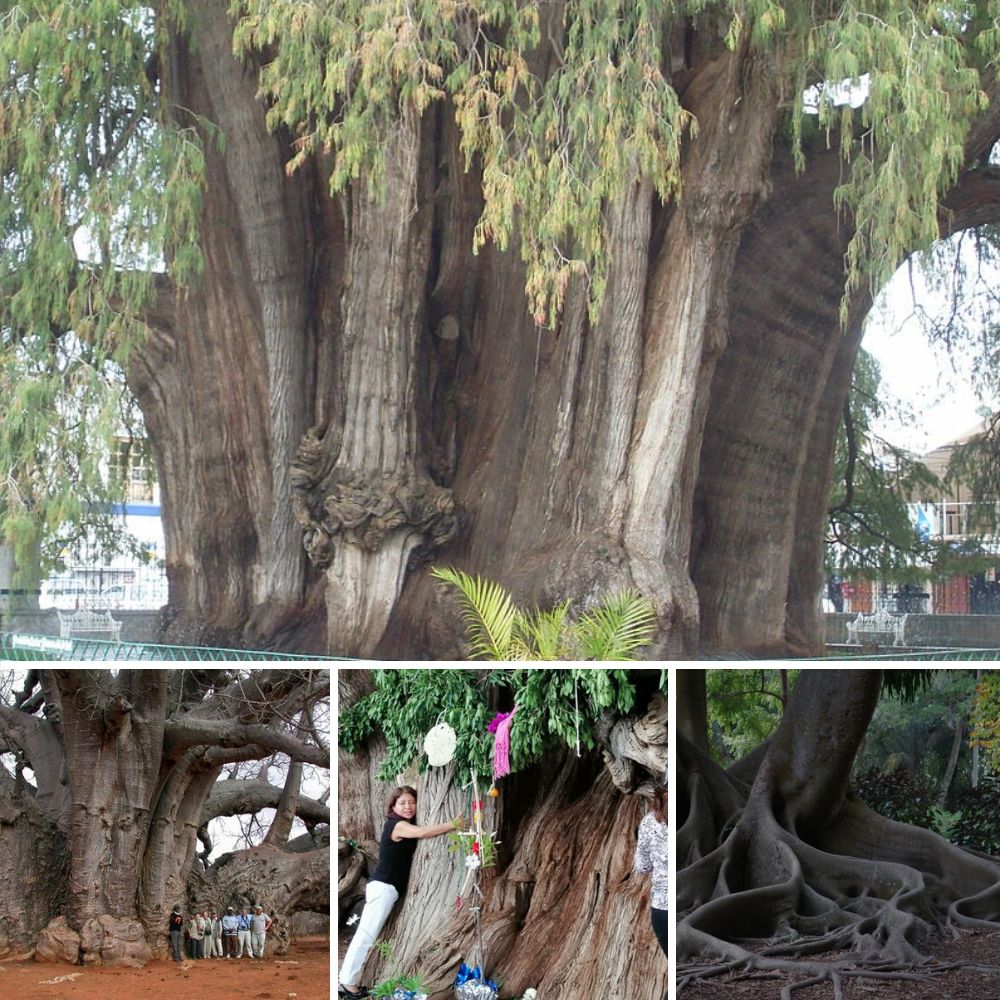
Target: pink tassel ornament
{"x": 501, "y": 745}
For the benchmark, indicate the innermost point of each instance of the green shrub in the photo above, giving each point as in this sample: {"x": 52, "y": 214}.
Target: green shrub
{"x": 898, "y": 794}
{"x": 978, "y": 826}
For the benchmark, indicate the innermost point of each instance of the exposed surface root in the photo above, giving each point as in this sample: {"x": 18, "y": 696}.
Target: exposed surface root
{"x": 765, "y": 902}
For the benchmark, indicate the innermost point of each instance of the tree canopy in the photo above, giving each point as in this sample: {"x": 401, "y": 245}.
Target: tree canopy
{"x": 554, "y": 707}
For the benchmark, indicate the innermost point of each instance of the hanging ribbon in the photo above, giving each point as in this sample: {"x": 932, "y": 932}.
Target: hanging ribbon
{"x": 501, "y": 744}
{"x": 576, "y": 709}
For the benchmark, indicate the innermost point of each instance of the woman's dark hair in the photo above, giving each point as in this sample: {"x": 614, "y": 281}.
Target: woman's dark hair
{"x": 660, "y": 803}
{"x": 390, "y": 809}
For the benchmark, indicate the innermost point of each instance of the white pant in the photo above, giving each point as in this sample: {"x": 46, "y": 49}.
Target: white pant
{"x": 258, "y": 944}
{"x": 380, "y": 897}
{"x": 244, "y": 942}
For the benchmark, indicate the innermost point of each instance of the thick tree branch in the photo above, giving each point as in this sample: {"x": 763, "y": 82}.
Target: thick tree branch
{"x": 182, "y": 734}
{"x": 233, "y": 798}
{"x": 281, "y": 826}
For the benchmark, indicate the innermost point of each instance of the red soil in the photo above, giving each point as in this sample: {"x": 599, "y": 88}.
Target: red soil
{"x": 304, "y": 971}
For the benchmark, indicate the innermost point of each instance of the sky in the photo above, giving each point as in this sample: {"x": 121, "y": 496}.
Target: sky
{"x": 933, "y": 385}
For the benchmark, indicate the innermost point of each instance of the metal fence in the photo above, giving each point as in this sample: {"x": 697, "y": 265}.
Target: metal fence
{"x": 18, "y": 646}
{"x": 127, "y": 587}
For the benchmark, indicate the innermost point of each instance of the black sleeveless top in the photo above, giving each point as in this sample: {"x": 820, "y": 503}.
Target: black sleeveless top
{"x": 394, "y": 858}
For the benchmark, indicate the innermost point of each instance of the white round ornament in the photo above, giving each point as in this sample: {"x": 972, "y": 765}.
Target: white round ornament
{"x": 439, "y": 744}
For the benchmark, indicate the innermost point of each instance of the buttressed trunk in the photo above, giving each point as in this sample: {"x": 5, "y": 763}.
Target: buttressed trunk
{"x": 125, "y": 766}
{"x": 226, "y": 380}
{"x": 349, "y": 392}
{"x": 577, "y": 448}
{"x": 779, "y": 862}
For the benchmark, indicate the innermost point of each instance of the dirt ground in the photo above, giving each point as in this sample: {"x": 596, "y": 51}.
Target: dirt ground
{"x": 956, "y": 984}
{"x": 302, "y": 974}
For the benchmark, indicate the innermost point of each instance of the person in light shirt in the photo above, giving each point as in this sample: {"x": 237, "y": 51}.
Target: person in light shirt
{"x": 243, "y": 933}
{"x": 230, "y": 930}
{"x": 651, "y": 857}
{"x": 260, "y": 924}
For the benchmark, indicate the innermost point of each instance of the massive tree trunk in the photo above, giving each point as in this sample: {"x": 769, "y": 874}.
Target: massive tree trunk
{"x": 562, "y": 910}
{"x": 348, "y": 391}
{"x": 778, "y": 861}
{"x": 103, "y": 844}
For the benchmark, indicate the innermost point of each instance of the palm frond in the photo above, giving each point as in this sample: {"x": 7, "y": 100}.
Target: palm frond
{"x": 488, "y": 612}
{"x": 545, "y": 632}
{"x": 616, "y": 628}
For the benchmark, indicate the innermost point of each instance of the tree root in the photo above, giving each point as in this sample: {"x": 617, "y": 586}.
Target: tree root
{"x": 764, "y": 901}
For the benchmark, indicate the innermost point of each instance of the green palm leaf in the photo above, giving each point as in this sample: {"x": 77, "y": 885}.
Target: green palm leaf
{"x": 616, "y": 628}
{"x": 545, "y": 633}
{"x": 488, "y": 612}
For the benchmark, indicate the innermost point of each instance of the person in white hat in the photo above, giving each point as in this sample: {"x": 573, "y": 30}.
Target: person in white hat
{"x": 230, "y": 929}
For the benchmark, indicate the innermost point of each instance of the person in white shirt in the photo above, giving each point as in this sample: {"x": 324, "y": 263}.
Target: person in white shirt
{"x": 243, "y": 933}
{"x": 260, "y": 924}
{"x": 230, "y": 930}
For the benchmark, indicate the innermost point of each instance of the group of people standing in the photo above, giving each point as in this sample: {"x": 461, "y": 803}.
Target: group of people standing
{"x": 207, "y": 935}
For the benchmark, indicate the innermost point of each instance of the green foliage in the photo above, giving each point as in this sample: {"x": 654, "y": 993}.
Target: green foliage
{"x": 944, "y": 822}
{"x": 909, "y": 798}
{"x": 96, "y": 187}
{"x": 396, "y": 980}
{"x": 985, "y": 731}
{"x": 976, "y": 826}
{"x": 976, "y": 466}
{"x": 553, "y": 151}
{"x": 915, "y": 722}
{"x": 744, "y": 708}
{"x": 496, "y": 630}
{"x": 64, "y": 417}
{"x": 898, "y": 794}
{"x": 905, "y": 145}
{"x": 461, "y": 844}
{"x": 407, "y": 704}
{"x": 869, "y": 527}
{"x": 953, "y": 297}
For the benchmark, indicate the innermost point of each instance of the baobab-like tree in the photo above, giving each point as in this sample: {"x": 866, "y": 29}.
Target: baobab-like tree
{"x": 111, "y": 778}
{"x": 567, "y": 294}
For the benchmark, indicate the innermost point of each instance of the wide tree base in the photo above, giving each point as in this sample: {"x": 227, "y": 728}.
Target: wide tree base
{"x": 103, "y": 940}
